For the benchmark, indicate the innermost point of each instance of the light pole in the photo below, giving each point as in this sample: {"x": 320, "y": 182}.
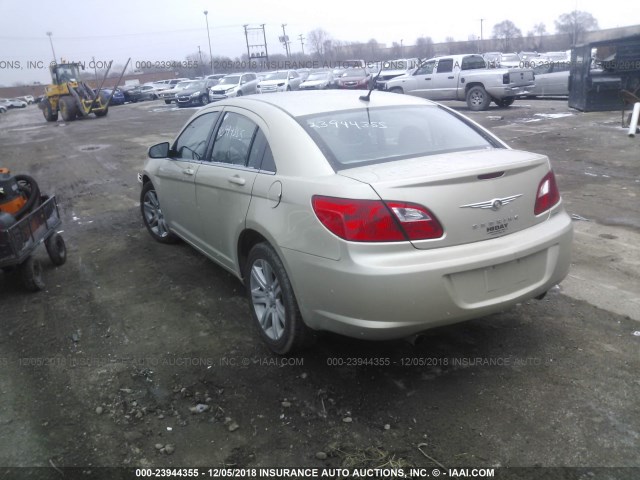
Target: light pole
{"x": 52, "y": 50}
{"x": 209, "y": 36}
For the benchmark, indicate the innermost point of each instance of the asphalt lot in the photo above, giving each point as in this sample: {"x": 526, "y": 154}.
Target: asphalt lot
{"x": 105, "y": 367}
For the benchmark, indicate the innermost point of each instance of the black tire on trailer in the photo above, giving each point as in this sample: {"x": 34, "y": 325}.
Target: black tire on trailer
{"x": 56, "y": 249}
{"x": 68, "y": 109}
{"x": 31, "y": 274}
{"x": 50, "y": 115}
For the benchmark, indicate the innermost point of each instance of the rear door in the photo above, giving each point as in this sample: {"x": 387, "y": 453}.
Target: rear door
{"x": 224, "y": 183}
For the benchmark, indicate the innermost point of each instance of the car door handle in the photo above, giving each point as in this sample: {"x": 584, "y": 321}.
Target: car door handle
{"x": 237, "y": 179}
{"x": 188, "y": 171}
{"x": 427, "y": 79}
{"x": 450, "y": 78}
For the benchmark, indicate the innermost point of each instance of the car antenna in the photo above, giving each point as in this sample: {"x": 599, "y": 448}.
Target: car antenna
{"x": 367, "y": 97}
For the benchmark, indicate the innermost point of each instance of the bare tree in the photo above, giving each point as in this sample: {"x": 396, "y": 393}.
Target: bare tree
{"x": 423, "y": 47}
{"x": 575, "y": 24}
{"x": 539, "y": 30}
{"x": 373, "y": 49}
{"x": 318, "y": 39}
{"x": 507, "y": 32}
{"x": 396, "y": 50}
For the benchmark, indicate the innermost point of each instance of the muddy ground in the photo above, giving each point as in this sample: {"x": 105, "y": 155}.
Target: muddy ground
{"x": 105, "y": 366}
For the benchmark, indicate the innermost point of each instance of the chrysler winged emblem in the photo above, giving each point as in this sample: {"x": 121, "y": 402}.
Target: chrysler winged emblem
{"x": 494, "y": 204}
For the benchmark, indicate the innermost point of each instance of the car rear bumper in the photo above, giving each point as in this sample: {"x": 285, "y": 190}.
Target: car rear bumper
{"x": 405, "y": 291}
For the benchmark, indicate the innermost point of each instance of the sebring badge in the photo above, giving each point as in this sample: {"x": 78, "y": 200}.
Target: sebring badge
{"x": 494, "y": 204}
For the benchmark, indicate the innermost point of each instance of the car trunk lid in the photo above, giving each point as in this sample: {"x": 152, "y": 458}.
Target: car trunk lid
{"x": 475, "y": 195}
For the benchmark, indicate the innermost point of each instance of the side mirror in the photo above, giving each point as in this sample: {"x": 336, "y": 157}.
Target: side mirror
{"x": 161, "y": 150}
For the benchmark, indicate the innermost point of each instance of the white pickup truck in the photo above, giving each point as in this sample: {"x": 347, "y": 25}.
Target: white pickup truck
{"x": 466, "y": 78}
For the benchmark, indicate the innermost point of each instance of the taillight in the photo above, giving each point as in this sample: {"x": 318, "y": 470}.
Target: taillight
{"x": 547, "y": 195}
{"x": 375, "y": 220}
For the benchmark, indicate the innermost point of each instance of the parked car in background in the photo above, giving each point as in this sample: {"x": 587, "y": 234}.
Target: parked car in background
{"x": 13, "y": 103}
{"x": 304, "y": 73}
{"x": 373, "y": 219}
{"x": 139, "y": 93}
{"x": 318, "y": 81}
{"x": 196, "y": 93}
{"x": 280, "y": 81}
{"x": 502, "y": 60}
{"x": 118, "y": 97}
{"x": 169, "y": 95}
{"x": 234, "y": 85}
{"x": 27, "y": 98}
{"x": 3, "y": 109}
{"x": 4, "y": 103}
{"x": 552, "y": 79}
{"x": 392, "y": 69}
{"x": 165, "y": 84}
{"x": 354, "y": 78}
{"x": 465, "y": 78}
{"x": 149, "y": 92}
{"x": 215, "y": 76}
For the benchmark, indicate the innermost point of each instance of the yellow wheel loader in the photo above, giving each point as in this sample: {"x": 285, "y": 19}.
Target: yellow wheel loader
{"x": 70, "y": 96}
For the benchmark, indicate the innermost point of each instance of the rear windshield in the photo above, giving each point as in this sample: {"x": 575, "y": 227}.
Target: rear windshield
{"x": 352, "y": 138}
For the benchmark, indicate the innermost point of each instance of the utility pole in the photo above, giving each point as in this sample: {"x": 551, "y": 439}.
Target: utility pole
{"x": 301, "y": 37}
{"x": 246, "y": 37}
{"x": 201, "y": 64}
{"x": 206, "y": 17}
{"x": 52, "y": 50}
{"x": 481, "y": 20}
{"x": 264, "y": 36}
{"x": 285, "y": 40}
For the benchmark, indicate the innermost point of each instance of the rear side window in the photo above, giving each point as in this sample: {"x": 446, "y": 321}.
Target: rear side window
{"x": 233, "y": 140}
{"x": 352, "y": 138}
{"x": 192, "y": 143}
{"x": 445, "y": 65}
{"x": 261, "y": 157}
{"x": 473, "y": 62}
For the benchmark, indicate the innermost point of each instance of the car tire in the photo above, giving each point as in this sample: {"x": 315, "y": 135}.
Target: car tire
{"x": 288, "y": 88}
{"x": 273, "y": 304}
{"x": 478, "y": 99}
{"x": 168, "y": 102}
{"x": 30, "y": 272}
{"x": 47, "y": 110}
{"x": 153, "y": 217}
{"x": 505, "y": 102}
{"x": 239, "y": 93}
{"x": 204, "y": 99}
{"x": 57, "y": 249}
{"x": 68, "y": 110}
{"x": 396, "y": 90}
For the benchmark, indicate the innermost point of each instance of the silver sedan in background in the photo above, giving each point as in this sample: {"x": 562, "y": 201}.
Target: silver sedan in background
{"x": 375, "y": 218}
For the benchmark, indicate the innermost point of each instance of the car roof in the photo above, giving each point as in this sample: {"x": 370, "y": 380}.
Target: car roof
{"x": 300, "y": 103}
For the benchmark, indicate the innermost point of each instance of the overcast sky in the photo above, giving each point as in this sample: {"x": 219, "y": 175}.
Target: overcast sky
{"x": 147, "y": 30}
